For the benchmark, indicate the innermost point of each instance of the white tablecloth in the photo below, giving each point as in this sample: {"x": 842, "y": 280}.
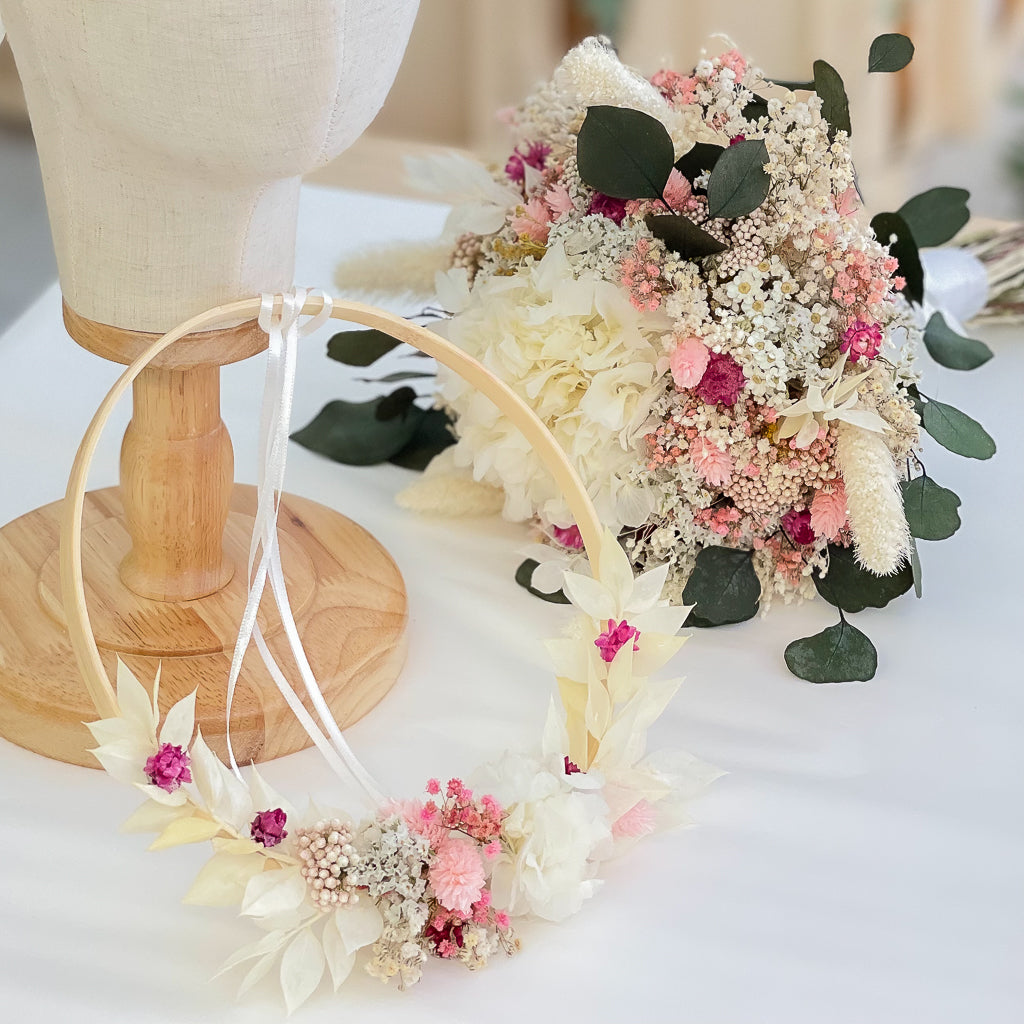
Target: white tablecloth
{"x": 861, "y": 863}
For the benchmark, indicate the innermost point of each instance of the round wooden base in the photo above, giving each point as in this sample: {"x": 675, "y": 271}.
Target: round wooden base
{"x": 347, "y": 595}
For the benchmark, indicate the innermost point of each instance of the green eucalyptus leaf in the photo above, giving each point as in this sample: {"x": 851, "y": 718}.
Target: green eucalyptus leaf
{"x": 624, "y": 153}
{"x": 935, "y": 216}
{"x": 360, "y": 348}
{"x": 433, "y": 435}
{"x": 915, "y": 567}
{"x": 395, "y": 404}
{"x": 931, "y": 510}
{"x": 953, "y": 350}
{"x": 755, "y": 109}
{"x": 793, "y": 86}
{"x": 839, "y": 654}
{"x": 723, "y": 587}
{"x": 353, "y": 433}
{"x": 892, "y": 230}
{"x": 523, "y": 576}
{"x": 394, "y": 378}
{"x": 890, "y": 52}
{"x": 702, "y": 157}
{"x": 739, "y": 184}
{"x": 956, "y": 431}
{"x": 853, "y": 588}
{"x": 835, "y": 107}
{"x": 683, "y": 236}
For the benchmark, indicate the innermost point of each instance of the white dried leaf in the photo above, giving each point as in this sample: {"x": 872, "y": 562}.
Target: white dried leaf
{"x": 339, "y": 960}
{"x": 180, "y": 722}
{"x": 359, "y": 925}
{"x": 273, "y": 892}
{"x": 155, "y": 817}
{"x": 268, "y": 943}
{"x": 302, "y": 967}
{"x": 134, "y": 702}
{"x": 185, "y": 830}
{"x": 222, "y": 880}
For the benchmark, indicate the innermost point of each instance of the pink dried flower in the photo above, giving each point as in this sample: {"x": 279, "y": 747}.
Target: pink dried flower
{"x": 677, "y": 190}
{"x": 501, "y": 920}
{"x": 532, "y": 220}
{"x": 676, "y": 88}
{"x": 734, "y": 61}
{"x": 737, "y": 138}
{"x": 457, "y": 875}
{"x": 861, "y": 339}
{"x": 614, "y": 638}
{"x": 606, "y": 206}
{"x": 168, "y": 768}
{"x": 798, "y": 526}
{"x": 268, "y": 827}
{"x": 559, "y": 201}
{"x": 638, "y": 821}
{"x": 492, "y": 849}
{"x": 828, "y": 510}
{"x": 433, "y": 787}
{"x": 722, "y": 381}
{"x": 534, "y": 157}
{"x": 568, "y": 537}
{"x": 713, "y": 464}
{"x": 688, "y": 361}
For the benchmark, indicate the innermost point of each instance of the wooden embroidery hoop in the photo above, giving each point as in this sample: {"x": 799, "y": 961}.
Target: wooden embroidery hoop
{"x": 523, "y": 417}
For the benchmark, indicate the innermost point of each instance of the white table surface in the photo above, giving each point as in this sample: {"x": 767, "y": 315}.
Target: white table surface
{"x": 861, "y": 863}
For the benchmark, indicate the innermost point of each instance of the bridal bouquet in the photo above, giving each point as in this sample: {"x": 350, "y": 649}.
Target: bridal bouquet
{"x": 677, "y": 275}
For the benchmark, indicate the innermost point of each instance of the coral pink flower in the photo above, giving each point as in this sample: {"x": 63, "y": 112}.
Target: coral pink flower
{"x": 861, "y": 339}
{"x": 558, "y": 200}
{"x": 611, "y": 641}
{"x": 168, "y": 768}
{"x": 713, "y": 465}
{"x": 637, "y": 821}
{"x": 722, "y": 381}
{"x": 798, "y": 526}
{"x": 457, "y": 875}
{"x": 532, "y": 220}
{"x": 828, "y": 510}
{"x": 688, "y": 361}
{"x": 677, "y": 191}
{"x": 568, "y": 537}
{"x": 268, "y": 827}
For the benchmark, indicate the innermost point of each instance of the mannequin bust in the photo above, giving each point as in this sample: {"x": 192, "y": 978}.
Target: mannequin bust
{"x": 172, "y": 139}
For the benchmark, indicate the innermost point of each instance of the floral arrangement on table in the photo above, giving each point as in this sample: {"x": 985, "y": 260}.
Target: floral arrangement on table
{"x": 678, "y": 276}
{"x": 449, "y": 875}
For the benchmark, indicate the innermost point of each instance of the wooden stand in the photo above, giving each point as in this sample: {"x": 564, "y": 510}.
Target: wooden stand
{"x": 165, "y": 565}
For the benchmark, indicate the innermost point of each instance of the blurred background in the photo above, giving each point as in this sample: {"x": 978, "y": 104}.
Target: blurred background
{"x": 955, "y": 116}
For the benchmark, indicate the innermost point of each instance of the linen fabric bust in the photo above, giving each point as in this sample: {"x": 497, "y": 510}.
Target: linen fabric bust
{"x": 172, "y": 137}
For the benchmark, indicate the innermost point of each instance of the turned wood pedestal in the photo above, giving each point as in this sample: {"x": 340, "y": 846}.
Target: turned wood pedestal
{"x": 165, "y": 561}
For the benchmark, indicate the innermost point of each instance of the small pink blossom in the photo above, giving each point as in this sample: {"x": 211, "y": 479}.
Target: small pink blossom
{"x": 492, "y": 849}
{"x": 688, "y": 361}
{"x": 268, "y": 827}
{"x": 457, "y": 875}
{"x": 722, "y": 381}
{"x": 558, "y": 200}
{"x": 828, "y": 510}
{"x": 568, "y": 537}
{"x": 861, "y": 340}
{"x": 531, "y": 221}
{"x": 848, "y": 203}
{"x": 638, "y": 821}
{"x": 798, "y": 526}
{"x": 615, "y": 637}
{"x": 714, "y": 465}
{"x": 534, "y": 157}
{"x": 168, "y": 768}
{"x": 734, "y": 61}
{"x": 501, "y": 921}
{"x": 433, "y": 787}
{"x": 677, "y": 190}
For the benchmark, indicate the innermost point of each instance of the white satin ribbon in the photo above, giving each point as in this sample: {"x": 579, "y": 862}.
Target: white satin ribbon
{"x": 955, "y": 285}
{"x": 284, "y": 332}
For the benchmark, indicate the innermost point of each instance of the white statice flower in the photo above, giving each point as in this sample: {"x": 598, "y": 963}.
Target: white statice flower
{"x": 574, "y": 348}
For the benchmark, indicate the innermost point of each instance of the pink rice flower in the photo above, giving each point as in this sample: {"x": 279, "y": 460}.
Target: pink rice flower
{"x": 558, "y": 200}
{"x": 638, "y": 821}
{"x": 569, "y": 537}
{"x": 722, "y": 381}
{"x": 457, "y": 875}
{"x": 828, "y": 510}
{"x": 268, "y": 827}
{"x": 501, "y": 921}
{"x": 798, "y": 526}
{"x": 168, "y": 768}
{"x": 688, "y": 361}
{"x": 861, "y": 339}
{"x": 712, "y": 464}
{"x": 612, "y": 640}
{"x": 532, "y": 220}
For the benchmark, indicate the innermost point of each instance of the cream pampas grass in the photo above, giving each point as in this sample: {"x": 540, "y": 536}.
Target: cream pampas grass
{"x": 873, "y": 499}
{"x": 449, "y": 490}
{"x": 398, "y": 270}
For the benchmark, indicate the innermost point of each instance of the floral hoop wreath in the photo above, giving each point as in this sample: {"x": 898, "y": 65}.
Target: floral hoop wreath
{"x": 444, "y": 876}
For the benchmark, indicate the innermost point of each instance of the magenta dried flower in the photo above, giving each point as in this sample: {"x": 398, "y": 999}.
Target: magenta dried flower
{"x": 722, "y": 381}
{"x": 606, "y": 206}
{"x": 798, "y": 526}
{"x": 168, "y": 768}
{"x": 268, "y": 827}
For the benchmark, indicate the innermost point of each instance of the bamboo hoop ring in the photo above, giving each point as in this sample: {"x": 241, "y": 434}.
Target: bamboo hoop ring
{"x": 508, "y": 402}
